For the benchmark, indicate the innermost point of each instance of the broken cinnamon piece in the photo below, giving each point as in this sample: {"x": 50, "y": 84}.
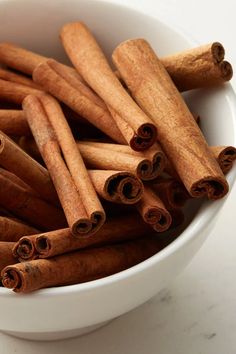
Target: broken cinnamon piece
{"x": 78, "y": 266}
{"x": 117, "y": 186}
{"x": 37, "y": 112}
{"x": 153, "y": 211}
{"x": 13, "y": 122}
{"x": 14, "y": 159}
{"x": 28, "y": 207}
{"x": 6, "y": 256}
{"x": 11, "y": 229}
{"x": 198, "y": 67}
{"x": 89, "y": 60}
{"x": 180, "y": 137}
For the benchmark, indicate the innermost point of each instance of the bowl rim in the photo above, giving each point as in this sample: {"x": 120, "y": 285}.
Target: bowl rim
{"x": 191, "y": 231}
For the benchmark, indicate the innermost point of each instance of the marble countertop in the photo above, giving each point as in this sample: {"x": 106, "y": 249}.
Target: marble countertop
{"x": 195, "y": 314}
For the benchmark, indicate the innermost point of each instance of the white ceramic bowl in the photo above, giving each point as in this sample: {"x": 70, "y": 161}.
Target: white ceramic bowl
{"x": 71, "y": 310}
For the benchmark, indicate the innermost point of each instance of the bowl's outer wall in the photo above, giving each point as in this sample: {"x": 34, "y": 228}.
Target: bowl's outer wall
{"x": 35, "y": 25}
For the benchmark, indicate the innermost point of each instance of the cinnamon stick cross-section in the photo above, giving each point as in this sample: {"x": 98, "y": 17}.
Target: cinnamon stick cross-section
{"x": 225, "y": 155}
{"x": 78, "y": 198}
{"x": 179, "y": 135}
{"x": 89, "y": 60}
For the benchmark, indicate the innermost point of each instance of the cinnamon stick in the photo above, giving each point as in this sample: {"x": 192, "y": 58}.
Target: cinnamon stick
{"x": 14, "y": 159}
{"x": 6, "y": 256}
{"x": 89, "y": 60}
{"x": 198, "y": 67}
{"x": 180, "y": 137}
{"x": 18, "y": 58}
{"x": 50, "y": 244}
{"x": 13, "y": 92}
{"x": 13, "y": 122}
{"x": 225, "y": 155}
{"x": 119, "y": 187}
{"x": 16, "y": 180}
{"x": 78, "y": 266}
{"x": 17, "y": 78}
{"x": 39, "y": 110}
{"x": 109, "y": 159}
{"x": 29, "y": 207}
{"x": 11, "y": 230}
{"x": 153, "y": 211}
{"x": 88, "y": 105}
{"x": 30, "y": 147}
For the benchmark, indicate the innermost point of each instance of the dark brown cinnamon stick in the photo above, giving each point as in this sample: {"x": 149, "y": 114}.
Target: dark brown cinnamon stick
{"x": 6, "y": 256}
{"x": 79, "y": 266}
{"x": 11, "y": 230}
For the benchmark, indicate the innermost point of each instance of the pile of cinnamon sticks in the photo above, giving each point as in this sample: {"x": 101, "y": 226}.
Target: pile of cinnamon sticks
{"x": 95, "y": 164}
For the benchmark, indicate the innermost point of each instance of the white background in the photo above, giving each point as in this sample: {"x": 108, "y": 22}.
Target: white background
{"x": 197, "y": 313}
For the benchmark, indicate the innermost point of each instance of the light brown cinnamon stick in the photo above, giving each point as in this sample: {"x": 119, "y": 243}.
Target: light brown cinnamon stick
{"x": 119, "y": 187}
{"x": 89, "y": 60}
{"x": 18, "y": 58}
{"x": 17, "y": 78}
{"x": 50, "y": 244}
{"x": 198, "y": 67}
{"x": 11, "y": 230}
{"x": 78, "y": 266}
{"x": 153, "y": 211}
{"x": 180, "y": 137}
{"x": 6, "y": 256}
{"x": 13, "y": 92}
{"x": 28, "y": 207}
{"x": 13, "y": 122}
{"x": 37, "y": 112}
{"x": 14, "y": 159}
{"x": 108, "y": 159}
{"x": 225, "y": 155}
{"x": 76, "y": 97}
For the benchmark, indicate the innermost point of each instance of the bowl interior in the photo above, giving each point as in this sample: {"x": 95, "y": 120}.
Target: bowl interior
{"x": 35, "y": 25}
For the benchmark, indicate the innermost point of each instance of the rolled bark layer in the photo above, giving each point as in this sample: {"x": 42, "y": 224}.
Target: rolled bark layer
{"x": 89, "y": 60}
{"x": 24, "y": 249}
{"x": 179, "y": 135}
{"x": 198, "y": 67}
{"x": 11, "y": 230}
{"x": 153, "y": 211}
{"x": 119, "y": 187}
{"x": 78, "y": 266}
